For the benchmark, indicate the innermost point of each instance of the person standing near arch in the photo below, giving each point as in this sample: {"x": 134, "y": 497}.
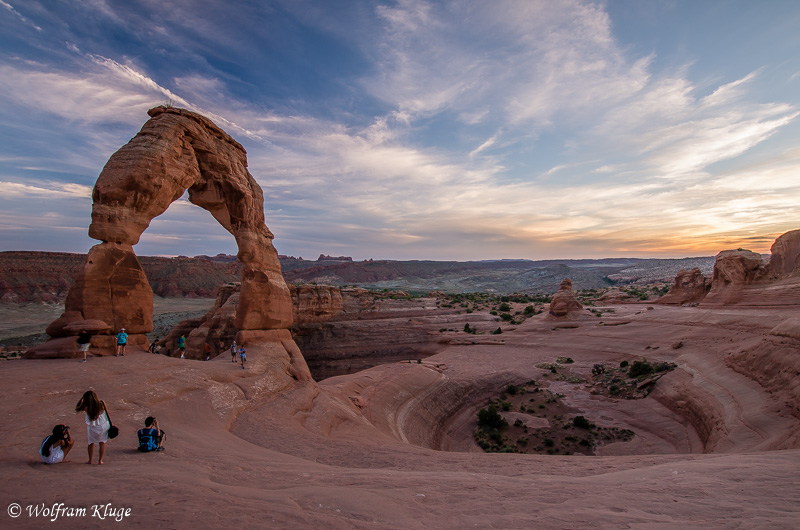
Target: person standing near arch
{"x": 182, "y": 345}
{"x": 122, "y": 341}
{"x": 84, "y": 339}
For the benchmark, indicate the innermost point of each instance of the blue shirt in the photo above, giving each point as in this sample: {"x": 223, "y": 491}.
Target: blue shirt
{"x": 122, "y": 337}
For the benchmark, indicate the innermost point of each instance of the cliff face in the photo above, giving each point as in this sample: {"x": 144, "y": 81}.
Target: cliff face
{"x": 47, "y": 276}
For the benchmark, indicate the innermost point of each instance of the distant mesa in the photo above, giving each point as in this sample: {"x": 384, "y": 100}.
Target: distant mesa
{"x": 175, "y": 151}
{"x": 323, "y": 257}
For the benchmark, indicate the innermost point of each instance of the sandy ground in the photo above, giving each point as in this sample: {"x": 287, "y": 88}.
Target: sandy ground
{"x": 253, "y": 449}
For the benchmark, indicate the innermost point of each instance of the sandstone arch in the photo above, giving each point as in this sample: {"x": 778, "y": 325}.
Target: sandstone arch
{"x": 175, "y": 151}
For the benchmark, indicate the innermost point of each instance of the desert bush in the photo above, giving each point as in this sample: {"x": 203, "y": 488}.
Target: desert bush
{"x": 565, "y": 360}
{"x": 498, "y": 331}
{"x": 491, "y": 419}
{"x": 518, "y": 423}
{"x": 548, "y": 442}
{"x": 504, "y": 307}
{"x": 640, "y": 368}
{"x": 582, "y": 423}
{"x": 505, "y": 406}
{"x": 506, "y": 317}
{"x": 512, "y": 389}
{"x": 530, "y": 310}
{"x": 623, "y": 364}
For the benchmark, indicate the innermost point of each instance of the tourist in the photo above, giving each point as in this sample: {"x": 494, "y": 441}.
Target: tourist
{"x": 182, "y": 345}
{"x": 97, "y": 423}
{"x": 233, "y": 352}
{"x": 154, "y": 347}
{"x": 207, "y": 349}
{"x": 56, "y": 447}
{"x": 84, "y": 339}
{"x": 243, "y": 356}
{"x": 151, "y": 437}
{"x": 122, "y": 340}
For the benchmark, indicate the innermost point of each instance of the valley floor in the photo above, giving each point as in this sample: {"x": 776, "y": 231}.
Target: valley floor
{"x": 392, "y": 446}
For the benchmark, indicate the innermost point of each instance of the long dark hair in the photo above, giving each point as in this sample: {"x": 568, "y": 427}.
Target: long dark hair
{"x": 90, "y": 404}
{"x": 58, "y": 435}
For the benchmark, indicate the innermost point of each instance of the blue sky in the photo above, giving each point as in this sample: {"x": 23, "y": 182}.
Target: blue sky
{"x": 420, "y": 129}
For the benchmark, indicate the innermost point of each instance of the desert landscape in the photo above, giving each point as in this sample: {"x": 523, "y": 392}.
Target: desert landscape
{"x": 631, "y": 405}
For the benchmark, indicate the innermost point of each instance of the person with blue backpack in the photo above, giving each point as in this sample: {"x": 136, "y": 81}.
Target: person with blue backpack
{"x": 151, "y": 437}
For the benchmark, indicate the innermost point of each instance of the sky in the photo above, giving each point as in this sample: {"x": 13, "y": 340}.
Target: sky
{"x": 413, "y": 129}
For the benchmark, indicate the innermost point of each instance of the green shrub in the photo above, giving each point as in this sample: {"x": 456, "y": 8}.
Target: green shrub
{"x": 640, "y": 368}
{"x": 623, "y": 364}
{"x": 512, "y": 389}
{"x": 506, "y": 317}
{"x": 530, "y": 310}
{"x": 582, "y": 423}
{"x": 505, "y": 405}
{"x": 498, "y": 331}
{"x": 491, "y": 419}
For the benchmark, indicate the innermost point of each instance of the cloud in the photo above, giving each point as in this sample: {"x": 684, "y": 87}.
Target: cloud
{"x": 48, "y": 190}
{"x": 18, "y": 15}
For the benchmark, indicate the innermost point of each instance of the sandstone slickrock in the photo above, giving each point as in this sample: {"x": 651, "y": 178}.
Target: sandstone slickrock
{"x": 690, "y": 287}
{"x": 175, "y": 151}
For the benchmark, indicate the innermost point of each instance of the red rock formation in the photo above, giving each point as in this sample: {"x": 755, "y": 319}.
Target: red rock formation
{"x": 690, "y": 287}
{"x": 733, "y": 270}
{"x": 616, "y": 296}
{"x": 785, "y": 259}
{"x": 175, "y": 151}
{"x": 564, "y": 302}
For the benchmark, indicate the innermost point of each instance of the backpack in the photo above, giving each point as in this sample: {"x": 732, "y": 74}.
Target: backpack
{"x": 147, "y": 442}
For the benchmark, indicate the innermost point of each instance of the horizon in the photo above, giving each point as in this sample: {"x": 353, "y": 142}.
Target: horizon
{"x": 416, "y": 130}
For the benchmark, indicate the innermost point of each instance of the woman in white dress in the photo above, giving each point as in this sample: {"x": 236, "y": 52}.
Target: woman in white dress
{"x": 97, "y": 423}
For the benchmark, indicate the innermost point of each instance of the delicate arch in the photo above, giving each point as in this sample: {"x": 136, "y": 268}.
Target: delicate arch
{"x": 175, "y": 151}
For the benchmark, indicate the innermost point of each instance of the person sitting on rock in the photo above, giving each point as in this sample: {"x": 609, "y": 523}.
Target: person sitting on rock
{"x": 56, "y": 447}
{"x": 151, "y": 438}
{"x": 154, "y": 346}
{"x": 122, "y": 340}
{"x": 84, "y": 339}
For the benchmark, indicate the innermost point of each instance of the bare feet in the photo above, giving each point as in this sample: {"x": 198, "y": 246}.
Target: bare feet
{"x": 100, "y": 463}
{"x": 89, "y": 462}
